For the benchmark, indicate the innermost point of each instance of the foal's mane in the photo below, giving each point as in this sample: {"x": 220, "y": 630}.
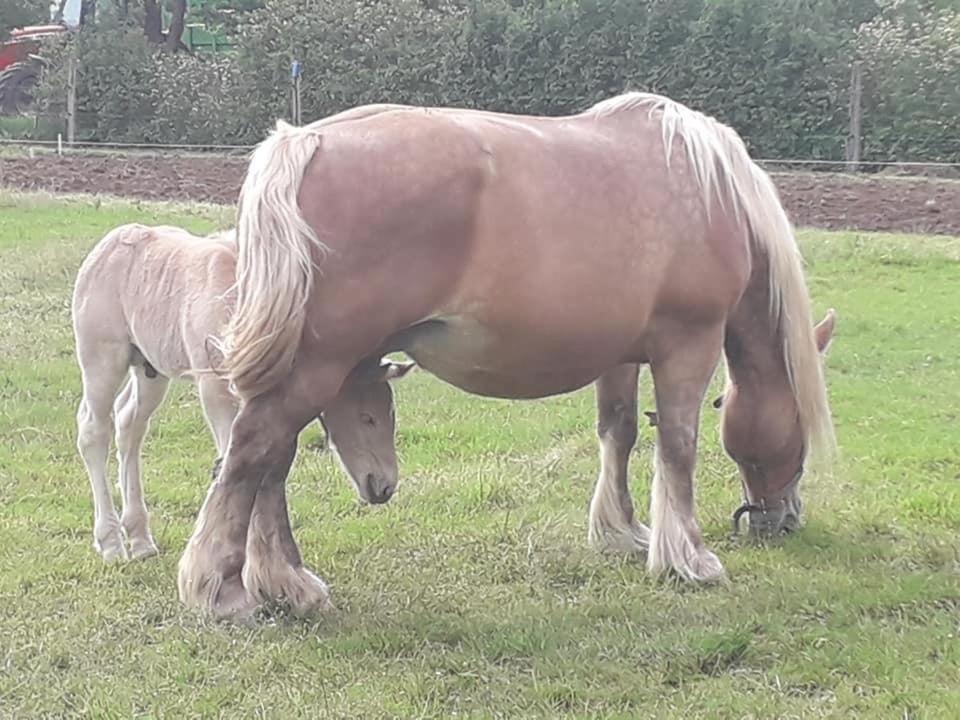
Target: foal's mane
{"x": 722, "y": 166}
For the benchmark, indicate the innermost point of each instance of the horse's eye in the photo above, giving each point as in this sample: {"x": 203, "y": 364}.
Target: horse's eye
{"x": 367, "y": 419}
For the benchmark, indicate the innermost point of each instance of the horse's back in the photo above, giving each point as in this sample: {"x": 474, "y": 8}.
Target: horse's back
{"x": 522, "y": 237}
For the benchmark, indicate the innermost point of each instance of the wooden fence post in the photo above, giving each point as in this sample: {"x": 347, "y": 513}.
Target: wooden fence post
{"x": 855, "y": 136}
{"x": 72, "y": 92}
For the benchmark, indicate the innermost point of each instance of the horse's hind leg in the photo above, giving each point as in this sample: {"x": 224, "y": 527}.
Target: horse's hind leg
{"x": 219, "y": 408}
{"x": 102, "y": 365}
{"x": 612, "y": 523}
{"x": 136, "y": 404}
{"x": 681, "y": 376}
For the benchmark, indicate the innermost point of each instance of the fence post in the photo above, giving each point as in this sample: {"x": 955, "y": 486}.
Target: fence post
{"x": 295, "y": 71}
{"x": 855, "y": 136}
{"x": 72, "y": 95}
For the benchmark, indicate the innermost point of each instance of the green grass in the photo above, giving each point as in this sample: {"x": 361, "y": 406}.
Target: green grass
{"x": 473, "y": 592}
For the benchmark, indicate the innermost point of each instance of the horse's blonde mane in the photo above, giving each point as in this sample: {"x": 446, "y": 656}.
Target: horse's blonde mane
{"x": 722, "y": 165}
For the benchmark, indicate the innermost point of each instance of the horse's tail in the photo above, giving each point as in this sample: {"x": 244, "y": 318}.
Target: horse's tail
{"x": 275, "y": 262}
{"x": 719, "y": 159}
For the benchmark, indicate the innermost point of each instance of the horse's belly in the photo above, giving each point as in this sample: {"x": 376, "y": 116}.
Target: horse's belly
{"x": 519, "y": 362}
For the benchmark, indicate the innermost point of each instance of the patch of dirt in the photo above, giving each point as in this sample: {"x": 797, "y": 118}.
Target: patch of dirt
{"x": 829, "y": 201}
{"x": 872, "y": 202}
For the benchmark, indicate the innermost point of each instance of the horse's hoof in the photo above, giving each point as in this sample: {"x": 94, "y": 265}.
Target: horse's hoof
{"x": 683, "y": 561}
{"x": 632, "y": 540}
{"x": 295, "y": 587}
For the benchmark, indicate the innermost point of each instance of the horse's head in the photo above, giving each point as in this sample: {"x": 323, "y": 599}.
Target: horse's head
{"x": 360, "y": 426}
{"x": 762, "y": 432}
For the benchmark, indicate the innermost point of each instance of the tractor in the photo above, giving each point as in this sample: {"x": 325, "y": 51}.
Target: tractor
{"x": 20, "y": 66}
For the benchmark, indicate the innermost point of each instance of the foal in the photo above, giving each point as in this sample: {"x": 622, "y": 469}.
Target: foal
{"x": 146, "y": 302}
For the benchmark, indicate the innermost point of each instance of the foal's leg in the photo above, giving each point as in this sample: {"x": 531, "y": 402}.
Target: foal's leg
{"x": 612, "y": 524}
{"x": 136, "y": 404}
{"x": 260, "y": 451}
{"x": 681, "y": 377}
{"x": 102, "y": 366}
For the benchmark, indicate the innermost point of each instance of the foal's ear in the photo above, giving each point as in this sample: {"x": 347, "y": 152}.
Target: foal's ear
{"x": 396, "y": 370}
{"x": 824, "y": 331}
{"x": 214, "y": 355}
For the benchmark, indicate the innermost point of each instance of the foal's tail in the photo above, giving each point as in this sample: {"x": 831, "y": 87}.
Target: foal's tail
{"x": 275, "y": 262}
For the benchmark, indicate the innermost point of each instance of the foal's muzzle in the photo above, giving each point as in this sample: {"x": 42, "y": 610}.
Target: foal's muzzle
{"x": 379, "y": 489}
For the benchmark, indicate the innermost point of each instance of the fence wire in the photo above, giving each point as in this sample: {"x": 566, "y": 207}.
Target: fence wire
{"x": 175, "y": 149}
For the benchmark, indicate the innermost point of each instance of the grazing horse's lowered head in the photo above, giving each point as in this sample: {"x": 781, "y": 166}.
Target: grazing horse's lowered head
{"x": 762, "y": 431}
{"x": 360, "y": 425}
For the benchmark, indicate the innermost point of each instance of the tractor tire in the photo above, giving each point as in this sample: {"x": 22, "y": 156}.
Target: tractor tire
{"x": 17, "y": 83}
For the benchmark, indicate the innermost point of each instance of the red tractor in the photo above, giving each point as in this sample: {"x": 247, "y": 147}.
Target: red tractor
{"x": 20, "y": 66}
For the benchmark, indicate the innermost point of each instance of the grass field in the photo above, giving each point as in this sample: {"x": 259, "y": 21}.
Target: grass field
{"x": 473, "y": 593}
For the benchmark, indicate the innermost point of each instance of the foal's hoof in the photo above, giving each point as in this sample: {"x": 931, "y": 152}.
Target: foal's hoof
{"x": 111, "y": 548}
{"x": 143, "y": 548}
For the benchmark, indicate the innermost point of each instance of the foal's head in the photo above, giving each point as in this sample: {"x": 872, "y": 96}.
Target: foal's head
{"x": 360, "y": 426}
{"x": 762, "y": 432}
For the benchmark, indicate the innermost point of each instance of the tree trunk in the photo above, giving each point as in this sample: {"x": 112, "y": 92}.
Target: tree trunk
{"x": 176, "y": 25}
{"x": 153, "y": 22}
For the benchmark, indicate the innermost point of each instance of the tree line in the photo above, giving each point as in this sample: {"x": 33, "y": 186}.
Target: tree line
{"x": 777, "y": 70}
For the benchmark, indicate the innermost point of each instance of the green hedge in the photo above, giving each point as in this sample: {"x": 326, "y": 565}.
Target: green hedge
{"x": 777, "y": 70}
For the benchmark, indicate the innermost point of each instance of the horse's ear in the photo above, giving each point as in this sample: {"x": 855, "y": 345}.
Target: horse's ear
{"x": 824, "y": 331}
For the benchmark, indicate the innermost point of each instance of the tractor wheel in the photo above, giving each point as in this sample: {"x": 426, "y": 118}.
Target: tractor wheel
{"x": 16, "y": 87}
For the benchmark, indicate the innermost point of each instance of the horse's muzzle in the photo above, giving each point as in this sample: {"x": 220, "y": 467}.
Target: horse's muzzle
{"x": 766, "y": 523}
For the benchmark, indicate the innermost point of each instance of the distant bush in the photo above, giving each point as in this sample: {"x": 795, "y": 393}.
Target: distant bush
{"x": 912, "y": 91}
{"x": 130, "y": 91}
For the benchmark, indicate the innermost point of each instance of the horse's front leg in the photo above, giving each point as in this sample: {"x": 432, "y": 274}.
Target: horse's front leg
{"x": 681, "y": 375}
{"x": 258, "y": 457}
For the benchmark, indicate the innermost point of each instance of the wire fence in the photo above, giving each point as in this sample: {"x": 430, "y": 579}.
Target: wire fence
{"x": 918, "y": 167}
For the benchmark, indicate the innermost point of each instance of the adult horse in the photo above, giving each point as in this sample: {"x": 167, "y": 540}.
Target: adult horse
{"x": 517, "y": 257}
